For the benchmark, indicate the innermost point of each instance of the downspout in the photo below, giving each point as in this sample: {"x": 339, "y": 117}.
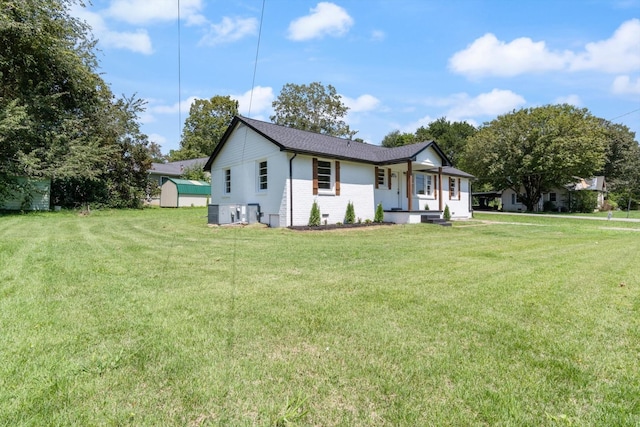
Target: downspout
{"x": 440, "y": 188}
{"x": 291, "y": 189}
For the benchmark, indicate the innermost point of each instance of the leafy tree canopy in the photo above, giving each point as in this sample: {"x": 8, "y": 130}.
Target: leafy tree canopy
{"x": 451, "y": 137}
{"x": 397, "y": 139}
{"x": 314, "y": 107}
{"x": 533, "y": 150}
{"x": 622, "y": 166}
{"x": 203, "y": 129}
{"x": 59, "y": 118}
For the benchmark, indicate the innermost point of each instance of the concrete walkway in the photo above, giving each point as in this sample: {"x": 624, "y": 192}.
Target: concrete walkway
{"x": 616, "y": 216}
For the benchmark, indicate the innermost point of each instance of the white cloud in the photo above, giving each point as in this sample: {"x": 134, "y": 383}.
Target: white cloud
{"x": 230, "y": 30}
{"x": 488, "y": 56}
{"x": 496, "y": 102}
{"x": 624, "y": 85}
{"x": 184, "y": 106}
{"x": 618, "y": 54}
{"x": 361, "y": 104}
{"x": 157, "y": 138}
{"x": 377, "y": 35}
{"x": 260, "y": 101}
{"x": 142, "y": 12}
{"x": 138, "y": 41}
{"x": 325, "y": 19}
{"x": 569, "y": 99}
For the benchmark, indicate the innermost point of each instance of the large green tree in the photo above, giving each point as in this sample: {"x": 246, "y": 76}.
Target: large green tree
{"x": 397, "y": 139}
{"x": 60, "y": 117}
{"x": 451, "y": 137}
{"x": 533, "y": 150}
{"x": 207, "y": 122}
{"x": 622, "y": 166}
{"x": 313, "y": 107}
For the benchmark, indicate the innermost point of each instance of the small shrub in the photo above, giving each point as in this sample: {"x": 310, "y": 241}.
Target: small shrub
{"x": 359, "y": 220}
{"x": 447, "y": 214}
{"x": 583, "y": 201}
{"x": 314, "y": 217}
{"x": 549, "y": 206}
{"x": 339, "y": 224}
{"x": 426, "y": 206}
{"x": 350, "y": 216}
{"x": 367, "y": 221}
{"x": 379, "y": 216}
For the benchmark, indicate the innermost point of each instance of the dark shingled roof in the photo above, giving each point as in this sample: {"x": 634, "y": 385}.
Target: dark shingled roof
{"x": 176, "y": 168}
{"x": 304, "y": 142}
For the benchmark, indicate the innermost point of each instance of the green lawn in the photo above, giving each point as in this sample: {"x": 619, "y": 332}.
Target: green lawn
{"x": 152, "y": 318}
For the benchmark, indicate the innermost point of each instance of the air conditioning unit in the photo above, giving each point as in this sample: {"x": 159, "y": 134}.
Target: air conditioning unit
{"x": 234, "y": 213}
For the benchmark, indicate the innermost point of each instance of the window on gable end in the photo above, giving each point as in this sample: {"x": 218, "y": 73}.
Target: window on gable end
{"x": 262, "y": 176}
{"x": 227, "y": 181}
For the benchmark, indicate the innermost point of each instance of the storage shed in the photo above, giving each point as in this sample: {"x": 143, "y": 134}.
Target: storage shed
{"x": 179, "y": 193}
{"x": 32, "y": 195}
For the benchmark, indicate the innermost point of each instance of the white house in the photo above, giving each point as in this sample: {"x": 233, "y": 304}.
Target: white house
{"x": 263, "y": 172}
{"x": 557, "y": 198}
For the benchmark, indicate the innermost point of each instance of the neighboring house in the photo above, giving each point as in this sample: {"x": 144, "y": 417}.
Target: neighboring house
{"x": 35, "y": 197}
{"x": 559, "y": 198}
{"x": 272, "y": 174}
{"x": 161, "y": 172}
{"x": 178, "y": 193}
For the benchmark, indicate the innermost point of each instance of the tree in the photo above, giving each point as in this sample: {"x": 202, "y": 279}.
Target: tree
{"x": 313, "y": 107}
{"x": 207, "y": 122}
{"x": 533, "y": 150}
{"x": 622, "y": 167}
{"x": 60, "y": 117}
{"x": 397, "y": 139}
{"x": 451, "y": 137}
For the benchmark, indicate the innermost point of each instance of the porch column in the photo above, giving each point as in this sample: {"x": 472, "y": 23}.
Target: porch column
{"x": 409, "y": 185}
{"x": 440, "y": 188}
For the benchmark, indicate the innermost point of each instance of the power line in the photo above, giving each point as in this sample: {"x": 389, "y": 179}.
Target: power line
{"x": 625, "y": 114}
{"x": 255, "y": 63}
{"x": 179, "y": 77}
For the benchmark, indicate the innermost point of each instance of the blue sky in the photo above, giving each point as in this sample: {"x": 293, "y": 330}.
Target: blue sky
{"x": 398, "y": 64}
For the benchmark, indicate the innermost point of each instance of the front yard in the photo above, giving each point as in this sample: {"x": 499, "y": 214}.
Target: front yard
{"x": 152, "y": 318}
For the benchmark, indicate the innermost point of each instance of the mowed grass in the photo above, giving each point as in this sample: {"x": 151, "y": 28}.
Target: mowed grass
{"x": 152, "y": 318}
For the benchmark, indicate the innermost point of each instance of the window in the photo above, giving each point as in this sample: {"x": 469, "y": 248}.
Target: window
{"x": 452, "y": 188}
{"x": 324, "y": 175}
{"x": 381, "y": 178}
{"x": 325, "y": 178}
{"x": 227, "y": 181}
{"x": 552, "y": 197}
{"x": 423, "y": 184}
{"x": 262, "y": 176}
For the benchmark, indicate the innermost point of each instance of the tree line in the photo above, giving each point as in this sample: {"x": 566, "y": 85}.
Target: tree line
{"x": 60, "y": 120}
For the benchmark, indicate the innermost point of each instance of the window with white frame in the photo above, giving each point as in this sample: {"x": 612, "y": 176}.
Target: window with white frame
{"x": 423, "y": 184}
{"x": 552, "y": 197}
{"x": 227, "y": 181}
{"x": 324, "y": 175}
{"x": 262, "y": 176}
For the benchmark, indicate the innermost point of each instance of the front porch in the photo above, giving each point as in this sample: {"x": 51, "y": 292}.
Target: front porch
{"x": 400, "y": 216}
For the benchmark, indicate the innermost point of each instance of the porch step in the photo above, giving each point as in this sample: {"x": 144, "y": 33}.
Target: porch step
{"x": 434, "y": 219}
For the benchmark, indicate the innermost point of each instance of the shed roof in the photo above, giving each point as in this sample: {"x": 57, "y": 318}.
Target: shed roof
{"x": 188, "y": 186}
{"x": 304, "y": 142}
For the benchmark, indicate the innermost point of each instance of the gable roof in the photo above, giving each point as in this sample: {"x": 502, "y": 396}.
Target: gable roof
{"x": 176, "y": 168}
{"x": 304, "y": 142}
